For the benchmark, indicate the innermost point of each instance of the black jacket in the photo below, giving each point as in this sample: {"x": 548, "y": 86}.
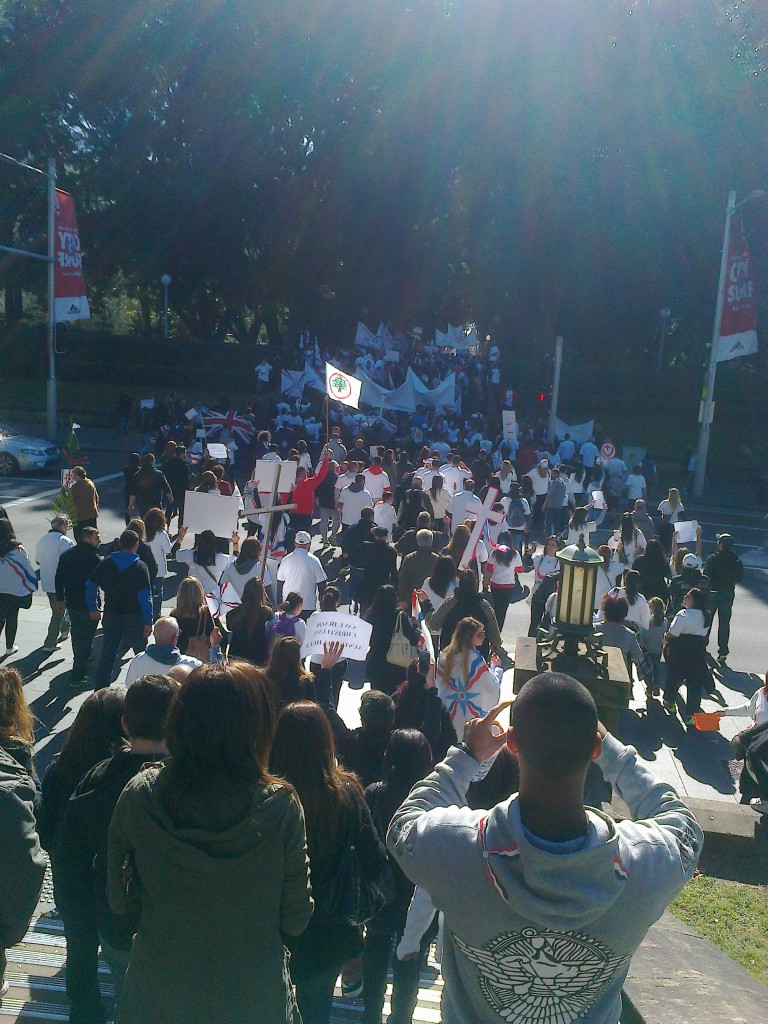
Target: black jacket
{"x": 353, "y": 539}
{"x": 72, "y": 572}
{"x": 724, "y": 570}
{"x": 379, "y": 564}
{"x": 125, "y": 584}
{"x": 81, "y": 847}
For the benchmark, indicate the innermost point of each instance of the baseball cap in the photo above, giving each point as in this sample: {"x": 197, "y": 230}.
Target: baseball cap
{"x": 726, "y": 537}
{"x": 302, "y": 537}
{"x": 690, "y": 561}
{"x": 544, "y": 462}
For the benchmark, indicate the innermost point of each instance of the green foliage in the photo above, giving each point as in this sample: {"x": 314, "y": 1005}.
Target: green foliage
{"x": 63, "y": 505}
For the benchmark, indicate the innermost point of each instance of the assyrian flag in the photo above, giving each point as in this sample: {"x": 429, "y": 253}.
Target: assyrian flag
{"x": 425, "y": 639}
{"x": 738, "y": 327}
{"x": 222, "y": 601}
{"x": 342, "y": 387}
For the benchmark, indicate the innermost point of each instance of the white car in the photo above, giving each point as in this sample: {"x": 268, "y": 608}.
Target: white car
{"x": 21, "y": 453}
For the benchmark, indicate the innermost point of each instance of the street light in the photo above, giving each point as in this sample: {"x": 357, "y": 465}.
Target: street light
{"x": 709, "y": 384}
{"x": 665, "y": 315}
{"x": 576, "y": 594}
{"x": 165, "y": 281}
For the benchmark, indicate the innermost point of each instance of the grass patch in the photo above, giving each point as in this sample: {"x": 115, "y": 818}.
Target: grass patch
{"x": 732, "y": 915}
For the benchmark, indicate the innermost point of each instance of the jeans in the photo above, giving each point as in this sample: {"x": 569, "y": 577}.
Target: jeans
{"x": 329, "y": 521}
{"x": 554, "y": 520}
{"x": 82, "y": 633}
{"x": 301, "y": 522}
{"x": 58, "y": 628}
{"x": 157, "y": 598}
{"x": 315, "y": 996}
{"x": 406, "y": 974}
{"x": 721, "y": 601}
{"x": 83, "y": 972}
{"x": 117, "y": 960}
{"x": 128, "y": 629}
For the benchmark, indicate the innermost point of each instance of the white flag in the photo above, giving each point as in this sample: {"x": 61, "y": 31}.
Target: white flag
{"x": 342, "y": 387}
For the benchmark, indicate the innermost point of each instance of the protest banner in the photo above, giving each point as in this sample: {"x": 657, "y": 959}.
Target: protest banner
{"x": 686, "y": 532}
{"x": 598, "y": 500}
{"x": 216, "y": 512}
{"x": 217, "y": 451}
{"x": 509, "y": 424}
{"x": 67, "y": 477}
{"x": 327, "y": 627}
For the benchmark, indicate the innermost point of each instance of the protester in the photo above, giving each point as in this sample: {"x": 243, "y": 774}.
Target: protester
{"x": 246, "y": 567}
{"x": 336, "y": 818}
{"x": 162, "y": 549}
{"x": 48, "y": 551}
{"x": 287, "y": 620}
{"x": 288, "y": 679}
{"x": 194, "y": 619}
{"x": 353, "y": 499}
{"x": 418, "y": 706}
{"x": 213, "y": 838}
{"x": 504, "y": 859}
{"x": 546, "y": 572}
{"x": 85, "y": 498}
{"x": 162, "y": 655}
{"x": 378, "y": 564}
{"x": 503, "y": 570}
{"x": 654, "y": 571}
{"x": 465, "y": 683}
{"x": 17, "y": 723}
{"x": 247, "y": 624}
{"x": 148, "y": 487}
{"x": 465, "y": 602}
{"x": 416, "y": 567}
{"x": 204, "y": 561}
{"x": 81, "y": 849}
{"x": 689, "y": 577}
{"x": 631, "y": 541}
{"x": 302, "y": 572}
{"x": 612, "y": 632}
{"x": 686, "y": 655}
{"x": 723, "y": 569}
{"x": 129, "y": 472}
{"x": 463, "y": 504}
{"x": 304, "y": 494}
{"x": 750, "y": 746}
{"x": 385, "y": 618}
{"x": 72, "y": 573}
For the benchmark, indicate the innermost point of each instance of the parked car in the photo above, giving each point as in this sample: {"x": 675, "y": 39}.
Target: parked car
{"x": 19, "y": 453}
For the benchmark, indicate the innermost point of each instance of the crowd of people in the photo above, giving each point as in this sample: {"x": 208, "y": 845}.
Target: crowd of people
{"x": 213, "y": 807}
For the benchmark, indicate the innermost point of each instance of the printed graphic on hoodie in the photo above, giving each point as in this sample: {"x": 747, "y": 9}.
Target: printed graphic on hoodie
{"x": 543, "y": 977}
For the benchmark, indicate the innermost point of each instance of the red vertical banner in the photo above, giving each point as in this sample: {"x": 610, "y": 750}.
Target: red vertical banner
{"x": 71, "y": 300}
{"x": 738, "y": 330}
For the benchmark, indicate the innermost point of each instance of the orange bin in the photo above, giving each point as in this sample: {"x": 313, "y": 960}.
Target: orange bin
{"x": 706, "y": 721}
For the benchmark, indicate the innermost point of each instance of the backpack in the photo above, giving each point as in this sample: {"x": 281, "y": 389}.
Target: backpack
{"x": 283, "y": 625}
{"x": 516, "y": 515}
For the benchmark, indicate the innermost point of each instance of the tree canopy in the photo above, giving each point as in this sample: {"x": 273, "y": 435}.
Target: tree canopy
{"x": 534, "y": 165}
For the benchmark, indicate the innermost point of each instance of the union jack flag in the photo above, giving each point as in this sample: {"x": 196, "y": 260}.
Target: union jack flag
{"x": 232, "y": 421}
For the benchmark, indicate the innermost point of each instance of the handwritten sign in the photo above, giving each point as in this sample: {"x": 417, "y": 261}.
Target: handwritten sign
{"x": 216, "y": 512}
{"x": 685, "y": 532}
{"x": 326, "y": 627}
{"x": 217, "y": 451}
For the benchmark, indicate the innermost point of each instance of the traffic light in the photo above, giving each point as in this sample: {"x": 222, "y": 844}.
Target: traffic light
{"x": 542, "y": 397}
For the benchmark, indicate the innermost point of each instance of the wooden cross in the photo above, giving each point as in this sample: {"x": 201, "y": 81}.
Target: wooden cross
{"x": 484, "y": 515}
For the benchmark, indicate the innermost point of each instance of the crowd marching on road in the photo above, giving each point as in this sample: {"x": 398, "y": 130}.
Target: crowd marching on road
{"x": 215, "y": 807}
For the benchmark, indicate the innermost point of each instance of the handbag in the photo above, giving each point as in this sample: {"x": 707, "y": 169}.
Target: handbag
{"x": 351, "y": 897}
{"x": 199, "y": 645}
{"x": 401, "y": 651}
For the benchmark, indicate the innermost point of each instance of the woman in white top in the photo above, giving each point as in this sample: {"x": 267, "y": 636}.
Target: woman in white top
{"x": 503, "y": 568}
{"x": 639, "y": 613}
{"x": 671, "y": 506}
{"x": 439, "y": 496}
{"x": 754, "y": 777}
{"x": 247, "y": 566}
{"x": 442, "y": 583}
{"x": 631, "y": 540}
{"x": 686, "y": 654}
{"x": 580, "y": 526}
{"x": 545, "y": 564}
{"x": 576, "y": 484}
{"x": 506, "y": 476}
{"x": 160, "y": 545}
{"x": 205, "y": 563}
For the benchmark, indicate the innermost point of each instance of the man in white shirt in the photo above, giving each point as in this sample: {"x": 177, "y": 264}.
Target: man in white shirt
{"x": 48, "y": 551}
{"x": 302, "y": 573}
{"x": 376, "y": 480}
{"x": 427, "y": 473}
{"x": 263, "y": 370}
{"x": 454, "y": 475}
{"x": 353, "y": 499}
{"x": 161, "y": 655}
{"x": 463, "y": 505}
{"x": 635, "y": 486}
{"x": 566, "y": 450}
{"x": 539, "y": 477}
{"x": 588, "y": 453}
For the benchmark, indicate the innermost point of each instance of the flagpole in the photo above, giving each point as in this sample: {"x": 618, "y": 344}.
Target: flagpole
{"x": 327, "y": 419}
{"x": 52, "y": 412}
{"x": 709, "y": 383}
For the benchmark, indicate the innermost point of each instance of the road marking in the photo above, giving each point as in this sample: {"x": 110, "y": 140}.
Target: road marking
{"x": 48, "y": 494}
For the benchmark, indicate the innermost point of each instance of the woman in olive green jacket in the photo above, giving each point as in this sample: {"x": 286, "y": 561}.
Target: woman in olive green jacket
{"x": 215, "y": 850}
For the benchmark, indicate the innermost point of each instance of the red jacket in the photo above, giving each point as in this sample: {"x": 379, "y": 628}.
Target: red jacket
{"x": 304, "y": 491}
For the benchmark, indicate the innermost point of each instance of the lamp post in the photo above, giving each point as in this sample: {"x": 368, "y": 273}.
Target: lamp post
{"x": 576, "y": 597}
{"x": 165, "y": 281}
{"x": 665, "y": 315}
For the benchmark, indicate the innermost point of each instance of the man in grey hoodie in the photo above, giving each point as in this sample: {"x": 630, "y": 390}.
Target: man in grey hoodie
{"x": 545, "y": 900}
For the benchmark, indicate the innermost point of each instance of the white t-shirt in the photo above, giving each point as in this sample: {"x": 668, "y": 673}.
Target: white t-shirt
{"x": 263, "y": 371}
{"x": 209, "y": 575}
{"x": 672, "y": 514}
{"x": 574, "y": 532}
{"x": 454, "y": 478}
{"x": 540, "y": 483}
{"x": 440, "y": 503}
{"x": 504, "y": 575}
{"x": 688, "y": 620}
{"x": 352, "y": 504}
{"x": 376, "y": 484}
{"x": 301, "y": 572}
{"x": 462, "y": 505}
{"x": 635, "y": 484}
{"x": 160, "y": 546}
{"x": 385, "y": 515}
{"x": 434, "y": 598}
{"x": 239, "y": 579}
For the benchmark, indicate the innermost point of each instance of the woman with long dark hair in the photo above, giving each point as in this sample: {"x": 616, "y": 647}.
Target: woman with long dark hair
{"x": 17, "y": 723}
{"x": 247, "y": 622}
{"x": 209, "y": 839}
{"x": 503, "y": 570}
{"x": 654, "y": 570}
{"x": 407, "y": 760}
{"x": 159, "y": 543}
{"x": 464, "y": 602}
{"x": 639, "y": 613}
{"x": 204, "y": 561}
{"x": 384, "y": 616}
{"x": 193, "y": 616}
{"x": 631, "y": 540}
{"x": 245, "y": 567}
{"x": 418, "y": 706}
{"x": 286, "y": 673}
{"x": 336, "y": 816}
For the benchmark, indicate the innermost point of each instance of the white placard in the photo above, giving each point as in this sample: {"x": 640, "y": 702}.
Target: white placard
{"x": 216, "y": 512}
{"x": 191, "y": 414}
{"x": 509, "y": 424}
{"x": 325, "y": 627}
{"x": 264, "y": 475}
{"x": 598, "y": 499}
{"x": 201, "y": 432}
{"x": 393, "y": 356}
{"x": 147, "y": 403}
{"x": 217, "y": 451}
{"x": 67, "y": 477}
{"x": 686, "y": 531}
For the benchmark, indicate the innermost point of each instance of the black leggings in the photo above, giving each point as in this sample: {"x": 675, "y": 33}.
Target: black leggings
{"x": 9, "y": 617}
